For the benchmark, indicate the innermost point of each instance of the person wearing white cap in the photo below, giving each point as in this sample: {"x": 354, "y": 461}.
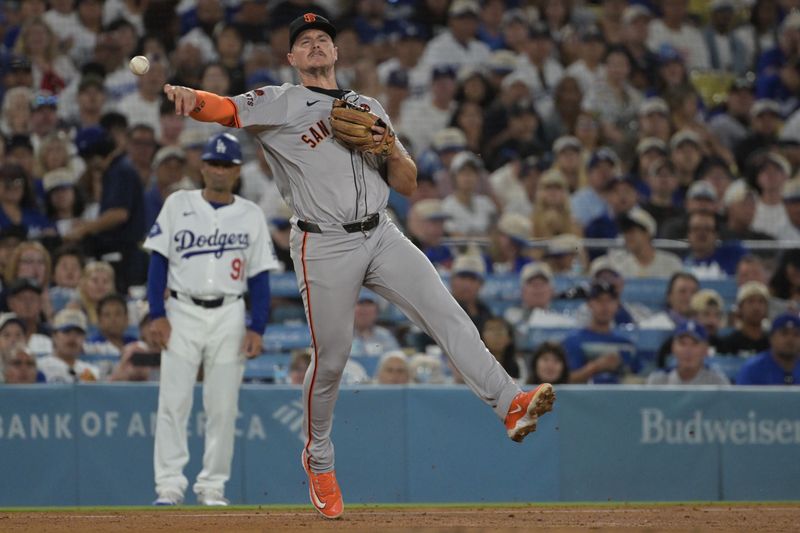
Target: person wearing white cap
{"x": 700, "y": 198}
{"x": 537, "y": 291}
{"x": 567, "y": 161}
{"x": 64, "y": 365}
{"x": 509, "y": 243}
{"x": 425, "y": 225}
{"x": 641, "y": 259}
{"x": 765, "y": 125}
{"x": 771, "y": 217}
{"x": 466, "y": 280}
{"x": 686, "y": 152}
{"x": 674, "y": 29}
{"x": 168, "y": 165}
{"x": 471, "y": 213}
{"x": 739, "y": 202}
{"x": 752, "y": 309}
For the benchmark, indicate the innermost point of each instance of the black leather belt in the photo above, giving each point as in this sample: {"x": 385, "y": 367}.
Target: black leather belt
{"x": 352, "y": 227}
{"x": 207, "y": 304}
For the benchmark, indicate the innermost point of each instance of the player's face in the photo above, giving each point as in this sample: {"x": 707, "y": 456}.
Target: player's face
{"x": 313, "y": 49}
{"x": 220, "y": 176}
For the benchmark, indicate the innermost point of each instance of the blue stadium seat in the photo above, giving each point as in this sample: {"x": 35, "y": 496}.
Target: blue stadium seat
{"x": 726, "y": 364}
{"x": 269, "y": 367}
{"x": 282, "y": 338}
{"x": 284, "y": 285}
{"x": 369, "y": 363}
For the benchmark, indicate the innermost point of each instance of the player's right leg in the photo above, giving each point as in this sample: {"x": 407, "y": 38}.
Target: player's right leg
{"x": 179, "y": 365}
{"x": 329, "y": 268}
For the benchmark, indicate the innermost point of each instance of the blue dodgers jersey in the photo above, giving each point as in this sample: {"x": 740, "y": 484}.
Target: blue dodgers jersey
{"x": 586, "y": 345}
{"x": 762, "y": 369}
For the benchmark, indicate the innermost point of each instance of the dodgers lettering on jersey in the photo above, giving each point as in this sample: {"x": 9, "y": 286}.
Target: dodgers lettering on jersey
{"x": 188, "y": 243}
{"x": 317, "y": 176}
{"x": 211, "y": 252}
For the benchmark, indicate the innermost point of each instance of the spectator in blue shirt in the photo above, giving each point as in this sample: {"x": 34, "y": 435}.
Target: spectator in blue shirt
{"x": 778, "y": 365}
{"x": 779, "y": 68}
{"x": 118, "y": 230}
{"x": 588, "y": 203}
{"x": 707, "y": 258}
{"x": 595, "y": 353}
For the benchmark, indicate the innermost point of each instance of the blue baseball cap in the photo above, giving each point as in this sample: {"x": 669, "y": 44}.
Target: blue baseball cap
{"x": 786, "y": 320}
{"x": 94, "y": 140}
{"x": 693, "y": 329}
{"x": 223, "y": 147}
{"x": 603, "y": 155}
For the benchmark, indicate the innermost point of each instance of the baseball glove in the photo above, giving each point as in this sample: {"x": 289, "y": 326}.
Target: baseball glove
{"x": 352, "y": 126}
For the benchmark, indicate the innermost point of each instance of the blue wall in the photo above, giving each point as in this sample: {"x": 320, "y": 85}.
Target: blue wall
{"x": 92, "y": 445}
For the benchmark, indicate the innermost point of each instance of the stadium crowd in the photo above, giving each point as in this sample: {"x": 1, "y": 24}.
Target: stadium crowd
{"x": 569, "y": 151}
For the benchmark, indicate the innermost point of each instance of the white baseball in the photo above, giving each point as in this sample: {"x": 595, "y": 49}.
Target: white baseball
{"x": 139, "y": 65}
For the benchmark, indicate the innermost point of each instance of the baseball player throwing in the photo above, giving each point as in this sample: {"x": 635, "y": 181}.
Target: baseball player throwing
{"x": 335, "y": 173}
{"x": 208, "y": 248}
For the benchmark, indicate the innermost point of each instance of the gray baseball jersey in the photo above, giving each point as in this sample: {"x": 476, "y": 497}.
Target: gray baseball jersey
{"x": 328, "y": 184}
{"x": 320, "y": 179}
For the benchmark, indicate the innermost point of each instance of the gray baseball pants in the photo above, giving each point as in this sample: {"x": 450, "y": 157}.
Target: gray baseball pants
{"x": 331, "y": 268}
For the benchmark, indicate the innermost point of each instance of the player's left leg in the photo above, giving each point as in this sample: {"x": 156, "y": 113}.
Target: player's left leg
{"x": 223, "y": 367}
{"x": 402, "y": 274}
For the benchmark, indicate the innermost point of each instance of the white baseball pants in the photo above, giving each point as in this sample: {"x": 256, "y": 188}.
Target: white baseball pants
{"x": 213, "y": 338}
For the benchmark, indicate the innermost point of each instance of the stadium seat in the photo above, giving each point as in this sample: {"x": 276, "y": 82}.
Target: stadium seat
{"x": 268, "y": 368}
{"x": 281, "y": 338}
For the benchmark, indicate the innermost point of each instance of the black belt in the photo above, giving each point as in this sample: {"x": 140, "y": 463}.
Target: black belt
{"x": 207, "y": 304}
{"x": 351, "y": 227}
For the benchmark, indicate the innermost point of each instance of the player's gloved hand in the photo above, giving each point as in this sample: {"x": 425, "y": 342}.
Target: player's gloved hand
{"x": 252, "y": 344}
{"x": 185, "y": 98}
{"x": 161, "y": 332}
{"x": 361, "y": 130}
